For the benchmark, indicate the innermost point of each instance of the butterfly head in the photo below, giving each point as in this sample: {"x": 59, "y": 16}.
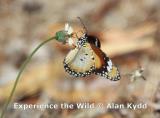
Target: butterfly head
{"x": 93, "y": 40}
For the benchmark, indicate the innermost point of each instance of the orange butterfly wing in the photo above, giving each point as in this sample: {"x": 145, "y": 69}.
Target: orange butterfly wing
{"x": 104, "y": 66}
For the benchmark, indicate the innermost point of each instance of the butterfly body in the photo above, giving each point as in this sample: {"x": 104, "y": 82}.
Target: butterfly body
{"x": 93, "y": 40}
{"x": 87, "y": 58}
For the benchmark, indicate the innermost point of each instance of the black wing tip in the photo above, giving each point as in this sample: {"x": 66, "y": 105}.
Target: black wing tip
{"x": 116, "y": 78}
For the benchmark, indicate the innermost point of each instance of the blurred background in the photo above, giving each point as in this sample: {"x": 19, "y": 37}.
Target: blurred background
{"x": 129, "y": 31}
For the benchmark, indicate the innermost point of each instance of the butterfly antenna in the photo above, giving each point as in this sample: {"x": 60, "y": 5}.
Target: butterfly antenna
{"x": 84, "y": 27}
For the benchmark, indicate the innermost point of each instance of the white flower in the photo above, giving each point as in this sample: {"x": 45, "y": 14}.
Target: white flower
{"x": 69, "y": 31}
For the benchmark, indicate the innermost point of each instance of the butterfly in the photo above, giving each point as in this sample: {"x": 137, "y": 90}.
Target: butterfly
{"x": 87, "y": 58}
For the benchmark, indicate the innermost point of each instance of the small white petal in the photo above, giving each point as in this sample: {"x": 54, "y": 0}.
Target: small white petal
{"x": 70, "y": 41}
{"x": 66, "y": 27}
{"x": 70, "y": 30}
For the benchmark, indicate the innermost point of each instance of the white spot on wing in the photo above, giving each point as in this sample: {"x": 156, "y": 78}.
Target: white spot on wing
{"x": 110, "y": 64}
{"x": 108, "y": 68}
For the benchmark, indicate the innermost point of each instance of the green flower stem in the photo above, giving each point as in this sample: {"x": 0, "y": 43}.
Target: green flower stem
{"x": 20, "y": 72}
